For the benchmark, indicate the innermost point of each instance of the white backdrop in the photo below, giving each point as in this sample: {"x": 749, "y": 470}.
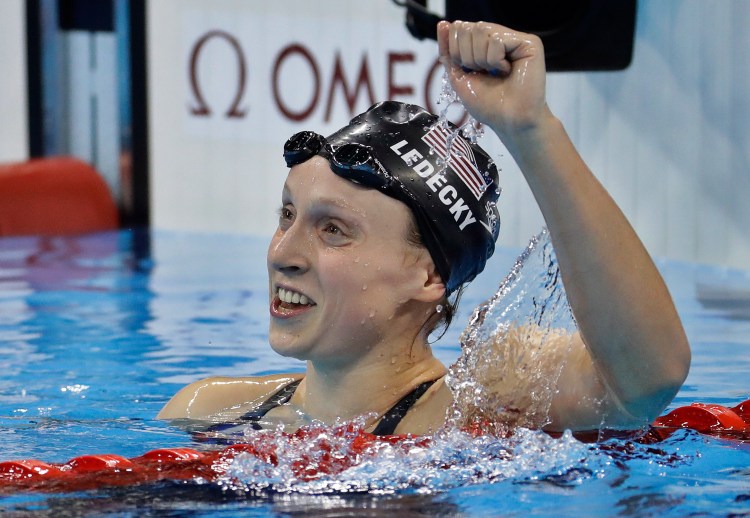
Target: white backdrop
{"x": 13, "y": 106}
{"x": 265, "y": 71}
{"x": 230, "y": 80}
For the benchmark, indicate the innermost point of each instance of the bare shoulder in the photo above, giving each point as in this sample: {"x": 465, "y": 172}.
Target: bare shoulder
{"x": 548, "y": 378}
{"x": 218, "y": 394}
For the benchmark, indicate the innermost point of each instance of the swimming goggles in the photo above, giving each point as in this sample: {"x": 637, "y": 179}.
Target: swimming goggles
{"x": 352, "y": 160}
{"x": 357, "y": 163}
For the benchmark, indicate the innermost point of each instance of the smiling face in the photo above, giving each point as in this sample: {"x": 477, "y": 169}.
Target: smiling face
{"x": 344, "y": 281}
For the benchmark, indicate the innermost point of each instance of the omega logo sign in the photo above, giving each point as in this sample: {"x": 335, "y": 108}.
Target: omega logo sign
{"x": 200, "y": 108}
{"x": 318, "y": 91}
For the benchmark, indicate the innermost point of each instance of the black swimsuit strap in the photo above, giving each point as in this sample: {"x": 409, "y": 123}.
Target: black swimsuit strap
{"x": 278, "y": 398}
{"x": 391, "y": 419}
{"x": 386, "y": 426}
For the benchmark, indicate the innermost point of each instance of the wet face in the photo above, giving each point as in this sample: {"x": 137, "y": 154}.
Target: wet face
{"x": 343, "y": 279}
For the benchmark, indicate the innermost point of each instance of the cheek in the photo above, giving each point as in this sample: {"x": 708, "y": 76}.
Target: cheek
{"x": 380, "y": 286}
{"x": 344, "y": 278}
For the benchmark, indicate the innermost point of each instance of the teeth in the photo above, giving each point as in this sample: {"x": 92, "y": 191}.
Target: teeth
{"x": 292, "y": 297}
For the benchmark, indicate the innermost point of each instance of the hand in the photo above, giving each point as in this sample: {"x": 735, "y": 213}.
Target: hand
{"x": 498, "y": 73}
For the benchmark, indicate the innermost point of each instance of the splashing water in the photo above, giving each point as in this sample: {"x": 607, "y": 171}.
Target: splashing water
{"x": 516, "y": 343}
{"x": 472, "y": 129}
{"x": 344, "y": 459}
{"x": 515, "y": 346}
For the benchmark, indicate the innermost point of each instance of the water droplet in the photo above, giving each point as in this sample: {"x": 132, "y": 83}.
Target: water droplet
{"x": 364, "y": 287}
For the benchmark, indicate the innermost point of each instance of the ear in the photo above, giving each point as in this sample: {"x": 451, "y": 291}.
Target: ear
{"x": 433, "y": 289}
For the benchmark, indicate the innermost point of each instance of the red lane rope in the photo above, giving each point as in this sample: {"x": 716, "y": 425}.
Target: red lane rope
{"x": 107, "y": 470}
{"x": 710, "y": 419}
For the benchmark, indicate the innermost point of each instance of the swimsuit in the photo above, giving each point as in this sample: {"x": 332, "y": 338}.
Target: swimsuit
{"x": 386, "y": 426}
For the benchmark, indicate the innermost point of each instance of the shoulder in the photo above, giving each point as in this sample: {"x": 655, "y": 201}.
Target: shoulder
{"x": 218, "y": 394}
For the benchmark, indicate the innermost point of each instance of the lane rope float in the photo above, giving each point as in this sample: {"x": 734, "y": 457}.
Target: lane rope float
{"x": 183, "y": 464}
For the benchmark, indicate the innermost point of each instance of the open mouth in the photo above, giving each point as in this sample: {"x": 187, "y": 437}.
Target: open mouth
{"x": 291, "y": 300}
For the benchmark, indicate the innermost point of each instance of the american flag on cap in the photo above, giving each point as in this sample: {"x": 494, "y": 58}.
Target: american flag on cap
{"x": 461, "y": 159}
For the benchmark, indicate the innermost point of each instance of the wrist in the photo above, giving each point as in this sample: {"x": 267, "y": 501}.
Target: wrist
{"x": 530, "y": 133}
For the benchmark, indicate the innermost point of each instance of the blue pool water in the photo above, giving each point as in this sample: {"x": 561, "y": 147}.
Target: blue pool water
{"x": 97, "y": 332}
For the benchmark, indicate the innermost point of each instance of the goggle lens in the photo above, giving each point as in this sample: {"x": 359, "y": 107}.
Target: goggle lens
{"x": 302, "y": 146}
{"x": 355, "y": 162}
{"x": 352, "y": 161}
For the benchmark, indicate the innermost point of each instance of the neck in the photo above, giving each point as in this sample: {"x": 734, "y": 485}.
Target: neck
{"x": 331, "y": 392}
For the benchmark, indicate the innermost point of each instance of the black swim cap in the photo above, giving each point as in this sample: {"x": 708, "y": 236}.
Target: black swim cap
{"x": 402, "y": 150}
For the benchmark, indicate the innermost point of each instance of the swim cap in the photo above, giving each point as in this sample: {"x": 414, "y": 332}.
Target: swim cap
{"x": 449, "y": 183}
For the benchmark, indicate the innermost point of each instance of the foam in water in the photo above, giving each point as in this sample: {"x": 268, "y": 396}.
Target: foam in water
{"x": 343, "y": 459}
{"x": 328, "y": 460}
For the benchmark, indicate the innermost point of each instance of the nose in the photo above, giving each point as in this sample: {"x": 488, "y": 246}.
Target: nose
{"x": 289, "y": 251}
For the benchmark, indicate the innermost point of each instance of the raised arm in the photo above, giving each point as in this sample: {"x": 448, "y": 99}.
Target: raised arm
{"x": 625, "y": 314}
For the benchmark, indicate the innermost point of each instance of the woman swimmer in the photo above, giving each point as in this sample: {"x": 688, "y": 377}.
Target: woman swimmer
{"x": 356, "y": 275}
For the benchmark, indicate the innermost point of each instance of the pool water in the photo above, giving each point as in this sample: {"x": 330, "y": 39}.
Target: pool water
{"x": 97, "y": 332}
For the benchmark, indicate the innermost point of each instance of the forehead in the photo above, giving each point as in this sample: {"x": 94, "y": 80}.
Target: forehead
{"x": 313, "y": 183}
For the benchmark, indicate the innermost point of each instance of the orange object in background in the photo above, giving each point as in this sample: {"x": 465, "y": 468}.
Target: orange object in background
{"x": 54, "y": 196}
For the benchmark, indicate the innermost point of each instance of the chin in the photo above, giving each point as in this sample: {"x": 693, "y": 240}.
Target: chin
{"x": 288, "y": 346}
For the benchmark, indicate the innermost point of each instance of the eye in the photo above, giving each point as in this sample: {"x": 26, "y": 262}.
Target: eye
{"x": 286, "y": 217}
{"x": 332, "y": 229}
{"x": 333, "y": 233}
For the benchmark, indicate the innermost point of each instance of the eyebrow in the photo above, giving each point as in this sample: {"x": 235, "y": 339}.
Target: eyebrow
{"x": 327, "y": 201}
